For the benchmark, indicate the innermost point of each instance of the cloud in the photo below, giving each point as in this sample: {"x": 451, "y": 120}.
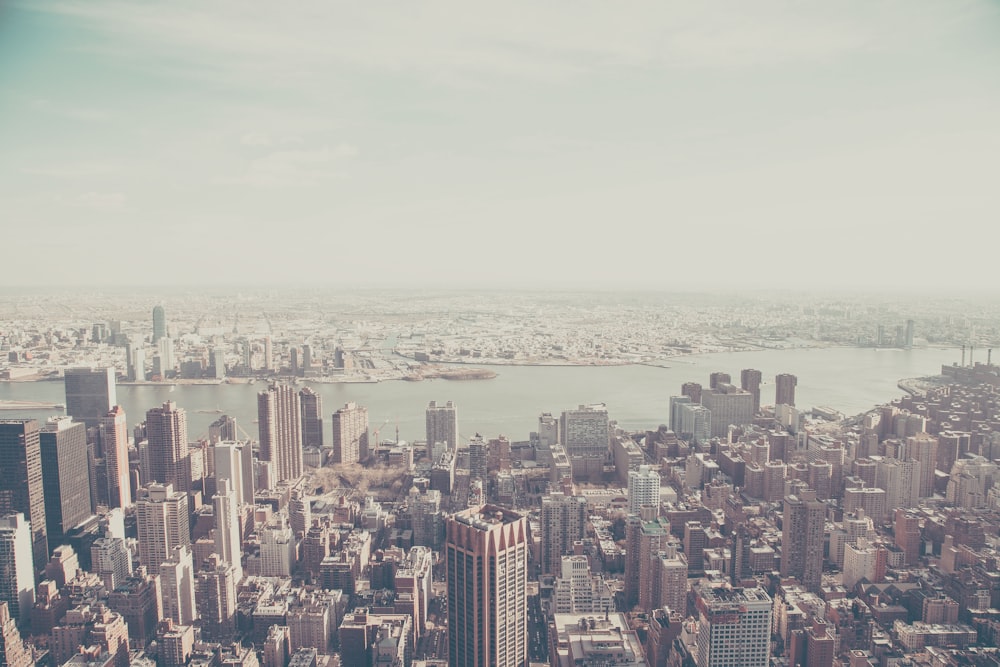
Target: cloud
{"x": 101, "y": 201}
{"x": 72, "y": 170}
{"x": 72, "y": 112}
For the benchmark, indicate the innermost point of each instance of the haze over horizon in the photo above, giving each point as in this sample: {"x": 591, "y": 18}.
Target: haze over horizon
{"x": 808, "y": 145}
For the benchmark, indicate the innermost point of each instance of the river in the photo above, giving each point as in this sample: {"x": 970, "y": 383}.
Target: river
{"x": 851, "y": 380}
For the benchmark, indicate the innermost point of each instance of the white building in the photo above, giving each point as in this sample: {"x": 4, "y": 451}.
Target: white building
{"x": 578, "y": 591}
{"x": 277, "y": 548}
{"x": 162, "y": 520}
{"x": 734, "y": 626}
{"x": 643, "y": 488}
{"x": 859, "y": 562}
{"x": 177, "y": 586}
{"x": 17, "y": 572}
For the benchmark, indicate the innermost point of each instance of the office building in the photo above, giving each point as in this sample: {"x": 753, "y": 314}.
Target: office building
{"x": 65, "y": 476}
{"x": 234, "y": 461}
{"x": 734, "y": 626}
{"x": 644, "y": 539}
{"x": 159, "y": 323}
{"x": 228, "y": 543}
{"x": 784, "y": 389}
{"x": 548, "y": 430}
{"x": 111, "y": 559}
{"x": 279, "y": 417}
{"x": 750, "y": 379}
{"x": 578, "y": 591}
{"x": 718, "y": 378}
{"x": 906, "y": 533}
{"x": 114, "y": 441}
{"x": 350, "y": 434}
{"x": 675, "y": 411}
{"x": 486, "y": 557}
{"x": 21, "y": 486}
{"x": 17, "y": 571}
{"x": 563, "y": 521}
{"x": 177, "y": 586}
{"x": 643, "y": 489}
{"x": 412, "y": 584}
{"x": 586, "y": 431}
{"x": 90, "y": 394}
{"x": 216, "y": 595}
{"x": 605, "y": 639}
{"x": 695, "y": 423}
{"x": 162, "y": 521}
{"x": 223, "y": 429}
{"x": 312, "y": 417}
{"x": 923, "y": 447}
{"x": 277, "y": 548}
{"x": 673, "y": 580}
{"x": 730, "y": 406}
{"x": 442, "y": 424}
{"x": 859, "y": 562}
{"x": 169, "y": 460}
{"x": 477, "y": 458}
{"x": 802, "y": 526}
{"x": 426, "y": 517}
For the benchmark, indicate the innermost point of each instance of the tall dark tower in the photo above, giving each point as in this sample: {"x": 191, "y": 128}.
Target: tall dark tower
{"x": 21, "y": 487}
{"x": 166, "y": 431}
{"x": 65, "y": 476}
{"x": 312, "y": 418}
{"x": 784, "y": 389}
{"x": 717, "y": 378}
{"x": 802, "y": 539}
{"x": 750, "y": 381}
{"x": 159, "y": 323}
{"x": 90, "y": 393}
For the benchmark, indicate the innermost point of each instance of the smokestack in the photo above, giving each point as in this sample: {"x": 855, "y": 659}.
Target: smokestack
{"x": 963, "y": 355}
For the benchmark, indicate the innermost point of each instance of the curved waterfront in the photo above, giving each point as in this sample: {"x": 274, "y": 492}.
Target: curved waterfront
{"x": 847, "y": 379}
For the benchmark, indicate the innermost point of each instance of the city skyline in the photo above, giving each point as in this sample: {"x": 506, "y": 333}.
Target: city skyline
{"x": 812, "y": 137}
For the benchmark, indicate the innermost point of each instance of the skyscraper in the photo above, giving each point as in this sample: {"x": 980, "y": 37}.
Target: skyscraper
{"x": 563, "y": 521}
{"x": 90, "y": 393}
{"x": 586, "y": 431}
{"x": 350, "y": 434}
{"x": 802, "y": 539}
{"x": 486, "y": 557}
{"x": 234, "y": 461}
{"x": 21, "y": 486}
{"x": 692, "y": 390}
{"x": 729, "y": 405}
{"x": 17, "y": 572}
{"x": 643, "y": 489}
{"x": 166, "y": 431}
{"x": 159, "y": 323}
{"x": 162, "y": 521}
{"x": 177, "y": 586}
{"x": 923, "y": 447}
{"x": 750, "y": 381}
{"x": 114, "y": 438}
{"x": 442, "y": 425}
{"x": 784, "y": 389}
{"x": 280, "y": 420}
{"x": 717, "y": 378}
{"x": 14, "y": 652}
{"x": 312, "y": 417}
{"x": 734, "y": 626}
{"x": 228, "y": 544}
{"x": 65, "y": 476}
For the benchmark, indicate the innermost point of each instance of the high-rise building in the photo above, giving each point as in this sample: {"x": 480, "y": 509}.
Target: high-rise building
{"x": 750, "y": 379}
{"x": 442, "y": 424}
{"x": 114, "y": 439}
{"x": 223, "y": 429}
{"x": 644, "y": 539}
{"x": 802, "y": 528}
{"x": 177, "y": 586}
{"x": 734, "y": 626}
{"x": 228, "y": 543}
{"x": 277, "y": 548}
{"x": 729, "y": 406}
{"x": 234, "y": 461}
{"x": 563, "y": 522}
{"x": 694, "y": 422}
{"x": 14, "y": 652}
{"x": 65, "y": 476}
{"x": 279, "y": 418}
{"x": 90, "y": 393}
{"x": 17, "y": 571}
{"x": 643, "y": 489}
{"x": 477, "y": 458}
{"x": 159, "y": 323}
{"x": 673, "y": 580}
{"x": 268, "y": 354}
{"x": 577, "y": 591}
{"x": 312, "y": 417}
{"x": 717, "y": 378}
{"x": 906, "y": 533}
{"x": 21, "y": 486}
{"x": 486, "y": 557}
{"x": 548, "y": 430}
{"x": 350, "y": 434}
{"x": 215, "y": 592}
{"x": 163, "y": 523}
{"x": 784, "y": 389}
{"x": 901, "y": 481}
{"x": 166, "y": 431}
{"x": 586, "y": 431}
{"x": 692, "y": 390}
{"x": 923, "y": 447}
{"x": 111, "y": 559}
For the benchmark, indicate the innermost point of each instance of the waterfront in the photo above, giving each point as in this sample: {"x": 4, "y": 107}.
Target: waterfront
{"x": 848, "y": 379}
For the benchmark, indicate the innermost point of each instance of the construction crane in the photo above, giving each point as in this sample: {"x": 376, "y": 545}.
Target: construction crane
{"x": 375, "y": 432}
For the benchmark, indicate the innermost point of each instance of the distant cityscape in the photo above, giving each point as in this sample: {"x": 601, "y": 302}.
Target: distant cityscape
{"x": 743, "y": 529}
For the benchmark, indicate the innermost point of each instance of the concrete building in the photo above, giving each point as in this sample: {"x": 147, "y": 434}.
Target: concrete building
{"x": 14, "y": 652}
{"x": 802, "y": 527}
{"x": 578, "y": 591}
{"x": 595, "y": 640}
{"x": 65, "y": 476}
{"x": 163, "y": 523}
{"x": 21, "y": 484}
{"x": 643, "y": 489}
{"x": 279, "y": 420}
{"x": 901, "y": 481}
{"x": 17, "y": 572}
{"x": 486, "y": 558}
{"x": 734, "y": 626}
{"x": 234, "y": 461}
{"x": 166, "y": 430}
{"x": 311, "y": 405}
{"x": 859, "y": 562}
{"x": 563, "y": 521}
{"x": 750, "y": 380}
{"x": 90, "y": 394}
{"x": 729, "y": 405}
{"x": 350, "y": 434}
{"x": 177, "y": 586}
{"x": 114, "y": 442}
{"x": 442, "y": 424}
{"x": 586, "y": 431}
{"x": 784, "y": 389}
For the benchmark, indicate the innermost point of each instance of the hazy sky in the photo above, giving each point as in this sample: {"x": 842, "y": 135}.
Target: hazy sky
{"x": 650, "y": 145}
